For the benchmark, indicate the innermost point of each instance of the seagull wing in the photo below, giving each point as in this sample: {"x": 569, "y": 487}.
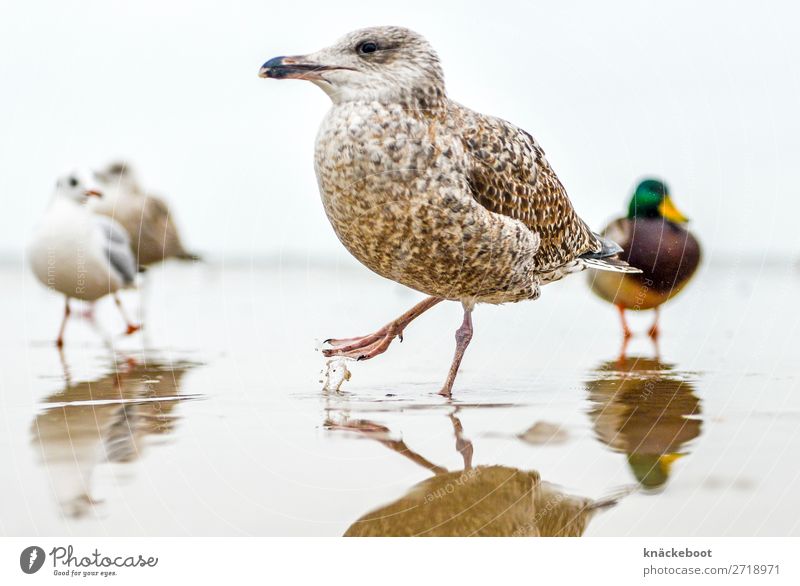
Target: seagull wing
{"x": 117, "y": 248}
{"x": 509, "y": 175}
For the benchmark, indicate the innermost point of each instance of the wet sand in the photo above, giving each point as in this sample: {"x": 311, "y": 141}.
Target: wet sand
{"x": 215, "y": 422}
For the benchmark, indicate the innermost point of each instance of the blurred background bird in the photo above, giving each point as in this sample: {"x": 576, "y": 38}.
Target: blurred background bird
{"x": 78, "y": 253}
{"x": 654, "y": 238}
{"x": 146, "y": 217}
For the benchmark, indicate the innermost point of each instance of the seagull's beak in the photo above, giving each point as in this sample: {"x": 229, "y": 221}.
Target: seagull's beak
{"x": 294, "y": 67}
{"x": 93, "y": 193}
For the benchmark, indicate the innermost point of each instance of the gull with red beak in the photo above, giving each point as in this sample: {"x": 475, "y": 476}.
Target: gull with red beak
{"x": 425, "y": 192}
{"x": 80, "y": 254}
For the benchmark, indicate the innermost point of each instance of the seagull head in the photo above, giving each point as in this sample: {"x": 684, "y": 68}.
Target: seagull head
{"x": 386, "y": 64}
{"x": 77, "y": 186}
{"x": 118, "y": 175}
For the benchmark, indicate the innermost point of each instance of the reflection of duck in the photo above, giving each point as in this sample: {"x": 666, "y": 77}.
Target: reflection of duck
{"x": 108, "y": 420}
{"x": 475, "y": 501}
{"x": 655, "y": 240}
{"x": 643, "y": 408}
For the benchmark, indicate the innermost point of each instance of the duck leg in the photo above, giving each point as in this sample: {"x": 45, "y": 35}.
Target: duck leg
{"x": 626, "y": 331}
{"x": 60, "y": 339}
{"x": 654, "y": 330}
{"x": 366, "y": 347}
{"x": 463, "y": 338}
{"x": 131, "y": 327}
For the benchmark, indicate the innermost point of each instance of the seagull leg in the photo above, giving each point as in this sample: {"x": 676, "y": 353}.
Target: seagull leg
{"x": 366, "y": 347}
{"x": 626, "y": 331}
{"x": 88, "y": 312}
{"x": 463, "y": 338}
{"x": 132, "y": 328}
{"x": 381, "y": 434}
{"x": 463, "y": 445}
{"x": 60, "y": 339}
{"x": 654, "y": 330}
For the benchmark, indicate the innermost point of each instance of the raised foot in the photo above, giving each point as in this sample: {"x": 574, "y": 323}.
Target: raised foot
{"x": 365, "y": 347}
{"x": 132, "y": 329}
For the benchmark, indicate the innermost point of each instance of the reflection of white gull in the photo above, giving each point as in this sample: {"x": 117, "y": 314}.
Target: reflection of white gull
{"x": 80, "y": 254}
{"x": 146, "y": 217}
{"x": 112, "y": 419}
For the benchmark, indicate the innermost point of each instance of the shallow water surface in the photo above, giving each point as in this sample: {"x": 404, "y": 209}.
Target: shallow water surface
{"x": 215, "y": 420}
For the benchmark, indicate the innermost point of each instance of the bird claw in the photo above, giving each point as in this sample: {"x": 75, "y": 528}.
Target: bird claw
{"x": 362, "y": 348}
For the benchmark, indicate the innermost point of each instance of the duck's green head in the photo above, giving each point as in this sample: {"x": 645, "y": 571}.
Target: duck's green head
{"x": 652, "y": 470}
{"x": 651, "y": 200}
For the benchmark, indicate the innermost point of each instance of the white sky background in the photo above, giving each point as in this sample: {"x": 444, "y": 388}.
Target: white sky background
{"x": 705, "y": 94}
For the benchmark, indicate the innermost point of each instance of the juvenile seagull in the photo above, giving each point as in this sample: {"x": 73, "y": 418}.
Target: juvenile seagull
{"x": 147, "y": 219}
{"x": 78, "y": 253}
{"x": 423, "y": 191}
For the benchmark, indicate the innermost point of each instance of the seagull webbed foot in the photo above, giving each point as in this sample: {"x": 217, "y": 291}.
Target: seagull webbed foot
{"x": 372, "y": 345}
{"x": 365, "y": 347}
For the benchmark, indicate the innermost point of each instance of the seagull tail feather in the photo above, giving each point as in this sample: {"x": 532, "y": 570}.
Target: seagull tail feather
{"x": 607, "y": 258}
{"x": 612, "y": 264}
{"x": 189, "y": 256}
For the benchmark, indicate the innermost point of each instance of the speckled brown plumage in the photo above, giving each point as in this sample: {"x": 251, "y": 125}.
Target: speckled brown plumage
{"x": 446, "y": 200}
{"x": 509, "y": 175}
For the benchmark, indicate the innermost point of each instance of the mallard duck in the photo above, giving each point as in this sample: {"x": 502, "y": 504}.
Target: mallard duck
{"x": 654, "y": 238}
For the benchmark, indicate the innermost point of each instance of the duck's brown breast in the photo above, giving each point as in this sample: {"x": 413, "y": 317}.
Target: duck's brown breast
{"x": 667, "y": 254}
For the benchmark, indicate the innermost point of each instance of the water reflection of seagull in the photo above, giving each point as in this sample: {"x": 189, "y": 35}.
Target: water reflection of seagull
{"x": 107, "y": 419}
{"x": 644, "y": 408}
{"x": 475, "y": 501}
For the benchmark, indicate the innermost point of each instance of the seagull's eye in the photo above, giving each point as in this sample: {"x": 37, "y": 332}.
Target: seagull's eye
{"x": 367, "y": 47}
{"x": 73, "y": 182}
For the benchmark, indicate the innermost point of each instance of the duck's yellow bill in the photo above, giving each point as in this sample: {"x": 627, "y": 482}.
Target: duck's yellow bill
{"x": 668, "y": 210}
{"x": 667, "y": 460}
